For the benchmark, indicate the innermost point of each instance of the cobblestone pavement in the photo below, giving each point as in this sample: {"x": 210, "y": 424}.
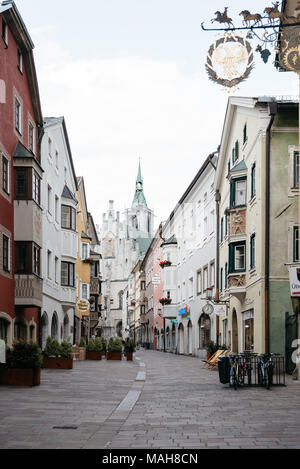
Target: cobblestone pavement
{"x": 159, "y": 401}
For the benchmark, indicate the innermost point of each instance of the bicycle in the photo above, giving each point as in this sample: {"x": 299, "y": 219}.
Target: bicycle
{"x": 265, "y": 370}
{"x": 247, "y": 365}
{"x": 236, "y": 373}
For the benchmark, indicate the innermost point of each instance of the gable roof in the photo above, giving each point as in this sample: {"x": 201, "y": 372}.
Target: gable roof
{"x": 18, "y": 29}
{"x": 68, "y": 194}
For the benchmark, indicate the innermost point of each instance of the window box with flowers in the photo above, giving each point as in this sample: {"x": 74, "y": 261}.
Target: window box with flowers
{"x": 23, "y": 367}
{"x": 165, "y": 301}
{"x": 58, "y": 356}
{"x": 164, "y": 264}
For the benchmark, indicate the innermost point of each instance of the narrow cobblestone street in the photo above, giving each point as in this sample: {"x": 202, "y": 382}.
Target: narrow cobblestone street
{"x": 158, "y": 401}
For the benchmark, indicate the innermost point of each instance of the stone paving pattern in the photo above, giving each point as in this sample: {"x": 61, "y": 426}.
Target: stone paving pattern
{"x": 180, "y": 405}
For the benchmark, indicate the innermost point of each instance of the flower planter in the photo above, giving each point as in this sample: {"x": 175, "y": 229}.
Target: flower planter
{"x": 94, "y": 355}
{"x": 114, "y": 356}
{"x": 20, "y": 377}
{"x": 165, "y": 264}
{"x": 165, "y": 301}
{"x": 129, "y": 356}
{"x": 58, "y": 363}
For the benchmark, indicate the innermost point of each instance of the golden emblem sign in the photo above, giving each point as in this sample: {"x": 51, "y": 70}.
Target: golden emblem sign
{"x": 229, "y": 60}
{"x": 289, "y": 57}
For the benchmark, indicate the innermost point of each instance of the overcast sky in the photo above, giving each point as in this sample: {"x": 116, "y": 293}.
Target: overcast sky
{"x": 129, "y": 77}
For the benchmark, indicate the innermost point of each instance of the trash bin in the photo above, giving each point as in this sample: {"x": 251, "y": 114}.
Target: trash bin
{"x": 224, "y": 368}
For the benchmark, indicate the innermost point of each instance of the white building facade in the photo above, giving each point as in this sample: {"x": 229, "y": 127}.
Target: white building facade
{"x": 58, "y": 199}
{"x": 190, "y": 248}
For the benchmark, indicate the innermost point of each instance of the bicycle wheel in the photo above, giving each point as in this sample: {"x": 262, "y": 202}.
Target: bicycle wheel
{"x": 269, "y": 376}
{"x": 240, "y": 375}
{"x": 260, "y": 375}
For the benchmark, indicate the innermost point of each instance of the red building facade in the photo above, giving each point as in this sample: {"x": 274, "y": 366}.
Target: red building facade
{"x": 20, "y": 174}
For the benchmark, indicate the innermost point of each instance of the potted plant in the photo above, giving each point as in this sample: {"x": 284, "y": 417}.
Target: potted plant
{"x": 165, "y": 301}
{"x": 129, "y": 348}
{"x": 23, "y": 367}
{"x": 58, "y": 356}
{"x": 211, "y": 349}
{"x": 94, "y": 349}
{"x": 114, "y": 349}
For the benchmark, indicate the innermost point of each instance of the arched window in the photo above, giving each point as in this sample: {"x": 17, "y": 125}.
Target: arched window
{"x": 204, "y": 331}
{"x": 54, "y": 327}
{"x": 3, "y": 329}
{"x": 20, "y": 330}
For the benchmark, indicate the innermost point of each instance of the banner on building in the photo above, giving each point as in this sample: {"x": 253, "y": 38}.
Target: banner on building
{"x": 294, "y": 280}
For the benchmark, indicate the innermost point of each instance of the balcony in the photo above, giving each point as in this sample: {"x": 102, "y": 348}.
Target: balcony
{"x": 28, "y": 290}
{"x": 68, "y": 295}
{"x": 237, "y": 285}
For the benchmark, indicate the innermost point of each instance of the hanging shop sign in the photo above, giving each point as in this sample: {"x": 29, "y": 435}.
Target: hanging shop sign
{"x": 229, "y": 60}
{"x": 83, "y": 307}
{"x": 294, "y": 280}
{"x": 183, "y": 312}
{"x": 289, "y": 56}
{"x": 220, "y": 310}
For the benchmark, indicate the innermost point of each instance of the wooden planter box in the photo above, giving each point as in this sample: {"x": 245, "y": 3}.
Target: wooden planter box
{"x": 58, "y": 363}
{"x": 129, "y": 356}
{"x": 94, "y": 355}
{"x": 114, "y": 356}
{"x": 20, "y": 377}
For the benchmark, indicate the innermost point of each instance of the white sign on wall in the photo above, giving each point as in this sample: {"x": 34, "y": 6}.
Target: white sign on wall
{"x": 295, "y": 280}
{"x": 2, "y": 351}
{"x": 220, "y": 310}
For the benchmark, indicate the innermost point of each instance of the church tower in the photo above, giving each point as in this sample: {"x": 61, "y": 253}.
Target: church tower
{"x": 140, "y": 217}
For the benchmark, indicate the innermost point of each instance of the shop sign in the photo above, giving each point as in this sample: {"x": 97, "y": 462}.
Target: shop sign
{"x": 83, "y": 306}
{"x": 295, "y": 280}
{"x": 220, "y": 310}
{"x": 2, "y": 351}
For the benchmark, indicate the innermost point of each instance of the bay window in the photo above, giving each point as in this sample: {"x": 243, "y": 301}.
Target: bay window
{"x": 238, "y": 192}
{"x": 68, "y": 217}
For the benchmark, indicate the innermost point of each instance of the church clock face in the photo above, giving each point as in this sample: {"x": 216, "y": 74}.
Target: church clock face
{"x": 208, "y": 309}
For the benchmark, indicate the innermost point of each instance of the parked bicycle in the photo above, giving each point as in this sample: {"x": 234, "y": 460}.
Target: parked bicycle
{"x": 265, "y": 370}
{"x": 236, "y": 373}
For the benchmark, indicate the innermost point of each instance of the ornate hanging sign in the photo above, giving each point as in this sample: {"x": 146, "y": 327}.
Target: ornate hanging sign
{"x": 229, "y": 60}
{"x": 289, "y": 56}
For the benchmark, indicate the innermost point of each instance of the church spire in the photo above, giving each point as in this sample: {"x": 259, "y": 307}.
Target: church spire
{"x": 139, "y": 197}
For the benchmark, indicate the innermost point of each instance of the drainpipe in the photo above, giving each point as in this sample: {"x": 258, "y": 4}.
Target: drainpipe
{"x": 218, "y": 200}
{"x": 272, "y": 113}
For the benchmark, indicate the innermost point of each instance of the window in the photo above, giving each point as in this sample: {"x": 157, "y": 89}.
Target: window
{"x": 205, "y": 278}
{"x": 50, "y": 147}
{"x": 6, "y": 263}
{"x": 36, "y": 260}
{"x": 226, "y": 224}
{"x": 20, "y": 61}
{"x": 4, "y": 32}
{"x": 84, "y": 291}
{"x": 222, "y": 229}
{"x": 84, "y": 251}
{"x": 183, "y": 291}
{"x": 31, "y": 137}
{"x": 67, "y": 274}
{"x": 5, "y": 174}
{"x": 245, "y": 137}
{"x": 235, "y": 152}
{"x": 22, "y": 258}
{"x": 18, "y": 116}
{"x": 226, "y": 275}
{"x": 56, "y": 208}
{"x": 36, "y": 188}
{"x": 49, "y": 257}
{"x": 21, "y": 183}
{"x": 296, "y": 244}
{"x": 68, "y": 217}
{"x": 238, "y": 192}
{"x": 212, "y": 274}
{"x": 56, "y": 269}
{"x": 191, "y": 287}
{"x": 56, "y": 159}
{"x": 228, "y": 167}
{"x": 252, "y": 252}
{"x": 296, "y": 169}
{"x": 143, "y": 285}
{"x": 253, "y": 181}
{"x": 199, "y": 282}
{"x": 237, "y": 257}
{"x": 143, "y": 309}
{"x": 49, "y": 199}
{"x": 221, "y": 280}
